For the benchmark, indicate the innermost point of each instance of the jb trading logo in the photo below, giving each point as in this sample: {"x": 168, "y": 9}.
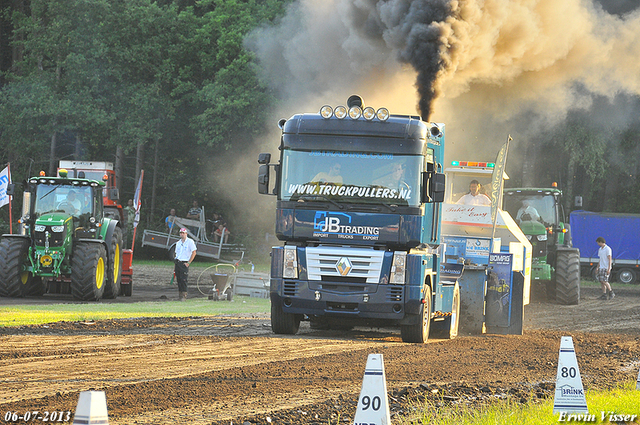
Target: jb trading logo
{"x": 339, "y": 224}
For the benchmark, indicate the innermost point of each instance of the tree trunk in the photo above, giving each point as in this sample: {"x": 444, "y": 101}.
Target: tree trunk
{"x": 77, "y": 154}
{"x": 119, "y": 164}
{"x": 140, "y": 164}
{"x": 155, "y": 180}
{"x": 52, "y": 154}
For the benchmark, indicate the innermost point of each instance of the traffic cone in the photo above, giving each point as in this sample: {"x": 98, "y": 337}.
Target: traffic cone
{"x": 91, "y": 409}
{"x": 373, "y": 404}
{"x": 569, "y": 396}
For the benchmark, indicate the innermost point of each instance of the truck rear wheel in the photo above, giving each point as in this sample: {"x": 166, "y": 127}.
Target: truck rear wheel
{"x": 627, "y": 275}
{"x": 568, "y": 277}
{"x": 14, "y": 280}
{"x": 419, "y": 332}
{"x": 114, "y": 273}
{"x": 283, "y": 323}
{"x": 448, "y": 328}
{"x": 88, "y": 271}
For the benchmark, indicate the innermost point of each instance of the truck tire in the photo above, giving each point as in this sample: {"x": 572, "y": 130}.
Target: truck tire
{"x": 14, "y": 281}
{"x": 627, "y": 275}
{"x": 568, "y": 277}
{"x": 114, "y": 273}
{"x": 283, "y": 323}
{"x": 88, "y": 271}
{"x": 419, "y": 332}
{"x": 448, "y": 328}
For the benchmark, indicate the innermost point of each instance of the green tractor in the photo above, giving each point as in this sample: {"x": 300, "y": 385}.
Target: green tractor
{"x": 66, "y": 244}
{"x": 555, "y": 263}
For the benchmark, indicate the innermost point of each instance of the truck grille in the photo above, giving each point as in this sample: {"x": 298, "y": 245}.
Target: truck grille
{"x": 395, "y": 293}
{"x": 366, "y": 264}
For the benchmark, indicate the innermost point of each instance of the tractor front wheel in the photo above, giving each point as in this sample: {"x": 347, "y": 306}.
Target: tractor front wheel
{"x": 15, "y": 280}
{"x": 88, "y": 271}
{"x": 568, "y": 277}
{"x": 114, "y": 274}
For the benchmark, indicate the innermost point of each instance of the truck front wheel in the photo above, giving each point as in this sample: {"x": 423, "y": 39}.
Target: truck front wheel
{"x": 283, "y": 323}
{"x": 419, "y": 332}
{"x": 15, "y": 281}
{"x": 114, "y": 274}
{"x": 88, "y": 271}
{"x": 568, "y": 277}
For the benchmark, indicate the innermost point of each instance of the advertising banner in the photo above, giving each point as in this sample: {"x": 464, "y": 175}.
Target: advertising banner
{"x": 499, "y": 289}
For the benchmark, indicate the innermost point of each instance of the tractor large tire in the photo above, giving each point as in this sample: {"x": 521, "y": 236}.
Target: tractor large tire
{"x": 15, "y": 281}
{"x": 568, "y": 277}
{"x": 88, "y": 271}
{"x": 114, "y": 273}
{"x": 283, "y": 323}
{"x": 448, "y": 328}
{"x": 419, "y": 332}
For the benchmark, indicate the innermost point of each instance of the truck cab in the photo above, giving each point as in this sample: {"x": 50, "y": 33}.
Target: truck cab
{"x": 359, "y": 195}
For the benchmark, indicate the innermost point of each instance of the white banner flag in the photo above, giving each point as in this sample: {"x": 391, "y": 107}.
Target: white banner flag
{"x": 5, "y": 179}
{"x": 137, "y": 200}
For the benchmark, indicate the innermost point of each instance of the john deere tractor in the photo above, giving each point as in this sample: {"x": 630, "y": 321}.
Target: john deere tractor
{"x": 555, "y": 263}
{"x": 66, "y": 244}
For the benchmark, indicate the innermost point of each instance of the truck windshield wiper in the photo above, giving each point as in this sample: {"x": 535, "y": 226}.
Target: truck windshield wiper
{"x": 315, "y": 198}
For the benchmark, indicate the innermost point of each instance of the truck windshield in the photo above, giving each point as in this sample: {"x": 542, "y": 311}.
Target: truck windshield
{"x": 360, "y": 178}
{"x": 530, "y": 207}
{"x": 75, "y": 200}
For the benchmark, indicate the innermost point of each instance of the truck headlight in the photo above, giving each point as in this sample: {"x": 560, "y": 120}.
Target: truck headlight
{"x": 39, "y": 228}
{"x": 398, "y": 268}
{"x": 57, "y": 229}
{"x": 542, "y": 237}
{"x": 290, "y": 269}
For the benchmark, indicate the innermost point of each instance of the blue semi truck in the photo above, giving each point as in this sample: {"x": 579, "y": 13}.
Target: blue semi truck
{"x": 359, "y": 204}
{"x": 621, "y": 231}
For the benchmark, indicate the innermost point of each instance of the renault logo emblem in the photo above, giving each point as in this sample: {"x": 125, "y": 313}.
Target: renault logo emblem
{"x": 343, "y": 266}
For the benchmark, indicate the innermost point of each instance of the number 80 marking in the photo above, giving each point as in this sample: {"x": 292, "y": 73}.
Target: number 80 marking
{"x": 568, "y": 372}
{"x": 373, "y": 403}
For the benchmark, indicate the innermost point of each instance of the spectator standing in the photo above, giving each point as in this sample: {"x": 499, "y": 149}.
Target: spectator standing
{"x": 185, "y": 253}
{"x": 604, "y": 268}
{"x": 194, "y": 214}
{"x": 170, "y": 219}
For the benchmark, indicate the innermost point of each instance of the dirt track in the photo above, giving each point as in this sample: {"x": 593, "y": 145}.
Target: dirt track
{"x": 233, "y": 369}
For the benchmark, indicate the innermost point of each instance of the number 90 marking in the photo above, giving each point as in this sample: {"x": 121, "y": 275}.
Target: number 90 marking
{"x": 373, "y": 403}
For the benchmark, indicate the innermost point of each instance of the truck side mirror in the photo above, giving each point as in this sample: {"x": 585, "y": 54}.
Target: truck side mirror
{"x": 437, "y": 187}
{"x": 264, "y": 158}
{"x": 11, "y": 189}
{"x": 263, "y": 179}
{"x": 114, "y": 194}
{"x": 433, "y": 187}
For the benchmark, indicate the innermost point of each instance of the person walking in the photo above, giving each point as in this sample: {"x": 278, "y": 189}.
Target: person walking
{"x": 185, "y": 253}
{"x": 604, "y": 268}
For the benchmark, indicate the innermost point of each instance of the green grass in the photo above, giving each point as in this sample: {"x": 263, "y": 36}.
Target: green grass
{"x": 22, "y": 315}
{"x": 622, "y": 401}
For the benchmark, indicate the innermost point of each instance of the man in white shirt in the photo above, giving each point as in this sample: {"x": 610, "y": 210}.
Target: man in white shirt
{"x": 604, "y": 269}
{"x": 185, "y": 250}
{"x": 474, "y": 197}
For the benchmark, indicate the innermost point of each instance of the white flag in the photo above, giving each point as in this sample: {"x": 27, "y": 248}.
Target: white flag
{"x": 5, "y": 179}
{"x": 137, "y": 200}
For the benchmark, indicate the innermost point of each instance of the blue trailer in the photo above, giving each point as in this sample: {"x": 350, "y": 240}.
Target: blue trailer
{"x": 622, "y": 233}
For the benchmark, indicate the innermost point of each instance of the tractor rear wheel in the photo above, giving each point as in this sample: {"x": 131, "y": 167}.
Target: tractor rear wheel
{"x": 15, "y": 281}
{"x": 419, "y": 332}
{"x": 568, "y": 277}
{"x": 88, "y": 271}
{"x": 114, "y": 273}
